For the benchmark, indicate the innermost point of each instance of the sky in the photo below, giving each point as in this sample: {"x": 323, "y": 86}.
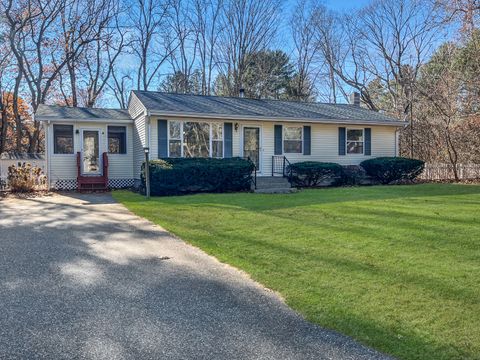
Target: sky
{"x": 343, "y": 5}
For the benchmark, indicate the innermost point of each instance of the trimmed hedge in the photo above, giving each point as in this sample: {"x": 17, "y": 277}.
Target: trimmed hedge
{"x": 313, "y": 173}
{"x": 393, "y": 169}
{"x": 177, "y": 176}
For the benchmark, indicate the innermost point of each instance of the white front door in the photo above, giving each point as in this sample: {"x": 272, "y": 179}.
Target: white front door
{"x": 91, "y": 159}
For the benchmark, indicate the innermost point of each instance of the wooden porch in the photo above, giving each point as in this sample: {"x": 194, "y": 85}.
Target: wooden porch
{"x": 92, "y": 182}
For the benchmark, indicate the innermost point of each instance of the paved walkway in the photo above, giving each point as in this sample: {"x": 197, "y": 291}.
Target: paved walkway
{"x": 82, "y": 278}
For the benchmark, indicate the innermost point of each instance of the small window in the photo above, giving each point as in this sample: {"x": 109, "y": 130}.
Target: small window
{"x": 117, "y": 140}
{"x": 175, "y": 139}
{"x": 217, "y": 140}
{"x": 355, "y": 141}
{"x": 63, "y": 139}
{"x": 292, "y": 139}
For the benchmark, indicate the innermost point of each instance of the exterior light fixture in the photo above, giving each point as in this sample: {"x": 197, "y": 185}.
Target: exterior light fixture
{"x": 146, "y": 150}
{"x": 236, "y": 126}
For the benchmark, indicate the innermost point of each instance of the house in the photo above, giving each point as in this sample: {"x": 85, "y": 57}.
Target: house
{"x": 85, "y": 144}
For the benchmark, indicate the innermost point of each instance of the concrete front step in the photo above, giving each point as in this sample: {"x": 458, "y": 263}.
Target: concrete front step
{"x": 272, "y": 181}
{"x": 272, "y": 185}
{"x": 276, "y": 191}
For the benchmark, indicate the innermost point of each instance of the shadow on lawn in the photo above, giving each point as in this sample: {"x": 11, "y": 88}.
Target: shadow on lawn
{"x": 81, "y": 281}
{"x": 260, "y": 202}
{"x": 418, "y": 217}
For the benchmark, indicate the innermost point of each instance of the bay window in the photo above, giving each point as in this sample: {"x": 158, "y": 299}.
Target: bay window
{"x": 292, "y": 139}
{"x": 354, "y": 141}
{"x": 195, "y": 139}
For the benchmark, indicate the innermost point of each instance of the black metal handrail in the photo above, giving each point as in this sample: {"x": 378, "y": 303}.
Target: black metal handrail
{"x": 254, "y": 172}
{"x": 286, "y": 168}
{"x": 280, "y": 166}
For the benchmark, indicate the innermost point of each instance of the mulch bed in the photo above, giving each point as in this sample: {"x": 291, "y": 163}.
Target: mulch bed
{"x": 25, "y": 195}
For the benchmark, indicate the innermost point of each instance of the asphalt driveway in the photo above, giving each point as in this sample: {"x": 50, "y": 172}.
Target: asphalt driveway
{"x": 83, "y": 278}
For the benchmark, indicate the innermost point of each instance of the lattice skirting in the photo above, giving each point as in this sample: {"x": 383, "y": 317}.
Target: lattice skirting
{"x": 65, "y": 184}
{"x": 120, "y": 183}
{"x": 71, "y": 184}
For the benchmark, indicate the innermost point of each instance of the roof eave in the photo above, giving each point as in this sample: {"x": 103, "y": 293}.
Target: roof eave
{"x": 271, "y": 119}
{"x": 100, "y": 120}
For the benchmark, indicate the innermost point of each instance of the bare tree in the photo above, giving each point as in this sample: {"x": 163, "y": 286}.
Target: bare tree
{"x": 249, "y": 26}
{"x": 183, "y": 51}
{"x": 120, "y": 84}
{"x": 95, "y": 23}
{"x": 152, "y": 40}
{"x": 35, "y": 29}
{"x": 339, "y": 50}
{"x": 206, "y": 16}
{"x": 6, "y": 95}
{"x": 467, "y": 11}
{"x": 306, "y": 50}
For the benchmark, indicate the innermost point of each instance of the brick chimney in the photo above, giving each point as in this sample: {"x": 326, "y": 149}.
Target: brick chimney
{"x": 355, "y": 99}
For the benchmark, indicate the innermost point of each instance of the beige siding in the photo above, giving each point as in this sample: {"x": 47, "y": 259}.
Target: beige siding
{"x": 138, "y": 113}
{"x": 139, "y": 142}
{"x": 135, "y": 107}
{"x": 324, "y": 143}
{"x": 64, "y": 167}
{"x": 154, "y": 138}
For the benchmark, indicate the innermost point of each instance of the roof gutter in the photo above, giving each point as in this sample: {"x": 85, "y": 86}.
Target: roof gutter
{"x": 273, "y": 119}
{"x": 57, "y": 119}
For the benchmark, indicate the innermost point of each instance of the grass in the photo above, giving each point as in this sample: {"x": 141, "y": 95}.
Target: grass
{"x": 395, "y": 267}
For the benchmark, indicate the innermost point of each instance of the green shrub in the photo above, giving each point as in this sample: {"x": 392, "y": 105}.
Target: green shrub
{"x": 390, "y": 169}
{"x": 354, "y": 175}
{"x": 312, "y": 173}
{"x": 24, "y": 177}
{"x": 176, "y": 176}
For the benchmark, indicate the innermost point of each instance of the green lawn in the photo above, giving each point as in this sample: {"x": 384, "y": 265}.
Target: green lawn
{"x": 396, "y": 267}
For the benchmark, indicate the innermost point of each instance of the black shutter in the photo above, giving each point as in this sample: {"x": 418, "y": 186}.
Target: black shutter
{"x": 162, "y": 138}
{"x": 341, "y": 140}
{"x": 278, "y": 140}
{"x": 307, "y": 140}
{"x": 227, "y": 138}
{"x": 368, "y": 141}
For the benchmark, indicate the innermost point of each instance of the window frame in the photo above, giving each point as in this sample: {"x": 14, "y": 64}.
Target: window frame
{"x": 175, "y": 139}
{"x": 301, "y": 139}
{"x": 54, "y": 147}
{"x": 347, "y": 141}
{"x": 126, "y": 141}
{"x": 210, "y": 140}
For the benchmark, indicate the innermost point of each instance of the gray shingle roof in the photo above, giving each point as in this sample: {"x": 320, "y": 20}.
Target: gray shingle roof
{"x": 158, "y": 102}
{"x": 78, "y": 113}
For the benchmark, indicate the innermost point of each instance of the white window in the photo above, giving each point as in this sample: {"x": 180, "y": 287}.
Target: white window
{"x": 217, "y": 140}
{"x": 175, "y": 139}
{"x": 292, "y": 139}
{"x": 117, "y": 139}
{"x": 195, "y": 139}
{"x": 63, "y": 139}
{"x": 355, "y": 141}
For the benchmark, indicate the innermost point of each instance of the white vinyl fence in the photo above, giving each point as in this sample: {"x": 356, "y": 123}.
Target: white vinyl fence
{"x": 445, "y": 172}
{"x": 7, "y": 160}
